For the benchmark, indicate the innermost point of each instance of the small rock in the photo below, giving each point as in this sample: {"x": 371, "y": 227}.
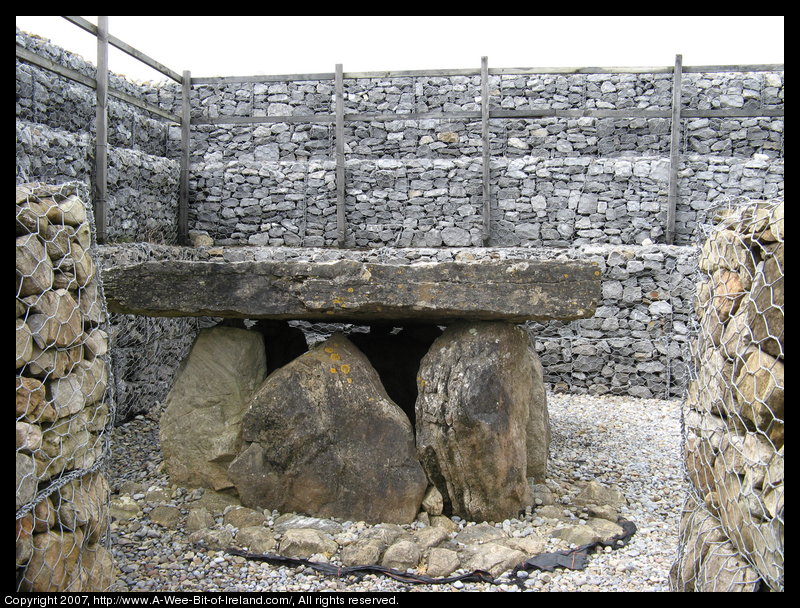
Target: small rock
{"x": 292, "y": 520}
{"x": 362, "y": 552}
{"x": 217, "y": 540}
{"x": 256, "y": 538}
{"x": 442, "y": 562}
{"x": 480, "y": 533}
{"x": 492, "y": 557}
{"x": 305, "y": 542}
{"x": 433, "y": 503}
{"x": 199, "y": 518}
{"x": 242, "y": 517}
{"x": 165, "y": 515}
{"x": 597, "y": 494}
{"x": 402, "y": 555}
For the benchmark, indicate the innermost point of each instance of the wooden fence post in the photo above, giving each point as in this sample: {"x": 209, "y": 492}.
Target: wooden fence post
{"x": 487, "y": 205}
{"x": 183, "y": 197}
{"x": 341, "y": 229}
{"x": 674, "y": 151}
{"x": 101, "y": 133}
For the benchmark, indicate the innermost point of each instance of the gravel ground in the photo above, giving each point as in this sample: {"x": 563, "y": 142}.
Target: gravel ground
{"x": 632, "y": 445}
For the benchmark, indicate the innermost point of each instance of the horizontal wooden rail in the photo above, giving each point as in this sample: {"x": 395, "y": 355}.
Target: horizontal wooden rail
{"x": 27, "y": 56}
{"x": 761, "y": 67}
{"x": 126, "y": 48}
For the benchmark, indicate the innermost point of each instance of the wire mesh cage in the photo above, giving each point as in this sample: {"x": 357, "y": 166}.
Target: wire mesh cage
{"x": 732, "y": 529}
{"x": 64, "y": 395}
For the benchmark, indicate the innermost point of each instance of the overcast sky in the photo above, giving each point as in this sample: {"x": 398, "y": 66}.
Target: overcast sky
{"x": 237, "y": 46}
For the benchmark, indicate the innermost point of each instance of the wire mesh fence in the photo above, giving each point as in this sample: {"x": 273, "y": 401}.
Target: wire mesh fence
{"x": 64, "y": 395}
{"x": 732, "y": 528}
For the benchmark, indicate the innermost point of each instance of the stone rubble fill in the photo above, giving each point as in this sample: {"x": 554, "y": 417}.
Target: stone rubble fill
{"x": 621, "y": 451}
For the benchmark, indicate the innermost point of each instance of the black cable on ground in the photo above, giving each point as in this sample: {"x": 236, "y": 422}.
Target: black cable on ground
{"x": 573, "y": 559}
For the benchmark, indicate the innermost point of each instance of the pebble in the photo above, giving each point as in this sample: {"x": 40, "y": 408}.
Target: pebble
{"x": 632, "y": 445}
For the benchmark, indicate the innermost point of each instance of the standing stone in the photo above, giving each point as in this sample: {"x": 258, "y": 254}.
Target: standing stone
{"x": 476, "y": 387}
{"x": 322, "y": 437}
{"x": 201, "y": 423}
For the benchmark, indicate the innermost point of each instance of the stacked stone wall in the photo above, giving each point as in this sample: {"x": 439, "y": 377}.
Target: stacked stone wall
{"x": 732, "y": 529}
{"x": 55, "y": 123}
{"x": 556, "y": 182}
{"x": 64, "y": 406}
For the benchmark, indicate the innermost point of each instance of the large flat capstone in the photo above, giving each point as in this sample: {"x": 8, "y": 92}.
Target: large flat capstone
{"x": 353, "y": 291}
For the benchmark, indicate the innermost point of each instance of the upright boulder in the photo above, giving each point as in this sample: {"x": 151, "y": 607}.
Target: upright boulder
{"x": 321, "y": 437}
{"x": 201, "y": 423}
{"x": 479, "y": 387}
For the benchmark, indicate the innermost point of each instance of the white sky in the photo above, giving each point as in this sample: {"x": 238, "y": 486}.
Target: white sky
{"x": 238, "y": 46}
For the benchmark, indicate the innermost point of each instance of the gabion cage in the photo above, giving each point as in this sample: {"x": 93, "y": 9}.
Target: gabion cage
{"x": 64, "y": 396}
{"x": 732, "y": 528}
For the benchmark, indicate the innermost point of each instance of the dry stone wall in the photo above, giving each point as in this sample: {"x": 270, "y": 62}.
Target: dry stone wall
{"x": 732, "y": 530}
{"x": 64, "y": 407}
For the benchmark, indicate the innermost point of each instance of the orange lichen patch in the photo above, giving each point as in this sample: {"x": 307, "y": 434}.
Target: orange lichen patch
{"x": 335, "y": 356}
{"x": 349, "y": 381}
{"x": 328, "y": 349}
{"x": 345, "y": 368}
{"x": 333, "y": 370}
{"x": 349, "y": 290}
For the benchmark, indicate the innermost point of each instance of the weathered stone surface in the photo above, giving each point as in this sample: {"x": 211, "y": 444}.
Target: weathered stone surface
{"x": 165, "y": 515}
{"x": 305, "y": 542}
{"x": 256, "y": 538}
{"x": 760, "y": 390}
{"x": 363, "y": 552}
{"x": 595, "y": 493}
{"x": 402, "y": 555}
{"x": 26, "y": 478}
{"x": 538, "y": 429}
{"x": 200, "y": 426}
{"x": 442, "y": 562}
{"x": 54, "y": 564}
{"x": 24, "y": 340}
{"x": 476, "y": 386}
{"x": 321, "y": 437}
{"x": 491, "y": 557}
{"x": 216, "y": 540}
{"x": 347, "y": 290}
{"x": 199, "y": 518}
{"x": 242, "y": 517}
{"x": 34, "y": 268}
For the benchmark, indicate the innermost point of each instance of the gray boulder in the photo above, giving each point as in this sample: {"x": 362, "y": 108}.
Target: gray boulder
{"x": 321, "y": 437}
{"x": 201, "y": 423}
{"x": 477, "y": 387}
